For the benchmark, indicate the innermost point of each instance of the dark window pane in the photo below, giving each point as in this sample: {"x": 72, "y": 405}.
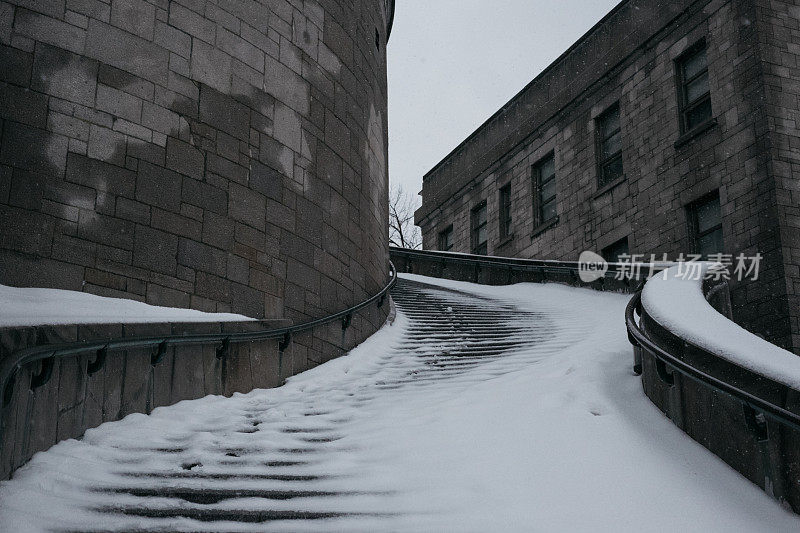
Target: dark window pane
{"x": 446, "y": 239}
{"x": 611, "y": 171}
{"x": 548, "y": 169}
{"x": 482, "y": 215}
{"x": 548, "y": 190}
{"x": 610, "y": 122}
{"x": 612, "y": 145}
{"x": 482, "y": 234}
{"x": 710, "y": 243}
{"x": 694, "y": 65}
{"x": 697, "y": 88}
{"x": 698, "y": 114}
{"x": 708, "y": 215}
{"x": 548, "y": 211}
{"x": 612, "y": 252}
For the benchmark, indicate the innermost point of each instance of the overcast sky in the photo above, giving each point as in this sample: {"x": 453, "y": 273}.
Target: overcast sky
{"x": 453, "y": 63}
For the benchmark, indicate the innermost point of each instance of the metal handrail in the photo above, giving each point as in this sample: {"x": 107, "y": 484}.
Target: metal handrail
{"x": 16, "y": 361}
{"x": 519, "y": 263}
{"x": 640, "y": 338}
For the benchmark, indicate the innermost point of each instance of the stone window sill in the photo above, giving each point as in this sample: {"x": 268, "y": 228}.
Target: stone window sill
{"x": 695, "y": 132}
{"x": 607, "y": 187}
{"x": 541, "y": 228}
{"x": 505, "y": 241}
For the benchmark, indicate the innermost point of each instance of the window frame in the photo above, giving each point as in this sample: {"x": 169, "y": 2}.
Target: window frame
{"x": 694, "y": 221}
{"x": 600, "y": 139}
{"x": 606, "y": 249}
{"x": 538, "y": 188}
{"x": 684, "y": 106}
{"x": 447, "y": 232}
{"x": 504, "y": 211}
{"x": 475, "y": 227}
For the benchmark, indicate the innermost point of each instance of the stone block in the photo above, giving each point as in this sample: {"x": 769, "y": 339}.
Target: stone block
{"x": 49, "y": 30}
{"x": 106, "y": 145}
{"x": 167, "y": 297}
{"x": 127, "y": 52}
{"x": 184, "y": 158}
{"x": 287, "y": 127}
{"x": 33, "y": 149}
{"x": 68, "y": 126}
{"x": 286, "y": 85}
{"x": 65, "y": 75}
{"x": 118, "y": 103}
{"x": 160, "y": 119}
{"x": 159, "y": 187}
{"x": 22, "y": 105}
{"x": 173, "y": 39}
{"x": 246, "y": 301}
{"x": 213, "y": 287}
{"x": 240, "y": 49}
{"x": 17, "y": 66}
{"x": 218, "y": 231}
{"x": 227, "y": 169}
{"x": 246, "y": 205}
{"x": 91, "y": 8}
{"x": 125, "y": 81}
{"x": 134, "y": 16}
{"x": 225, "y": 113}
{"x": 203, "y": 195}
{"x": 192, "y": 23}
{"x": 210, "y": 66}
{"x": 149, "y": 152}
{"x": 109, "y": 230}
{"x": 155, "y": 250}
{"x": 266, "y": 180}
{"x": 202, "y": 257}
{"x": 177, "y": 224}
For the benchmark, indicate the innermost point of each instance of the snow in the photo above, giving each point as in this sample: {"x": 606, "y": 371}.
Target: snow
{"x": 553, "y": 436}
{"x": 35, "y": 307}
{"x": 677, "y": 303}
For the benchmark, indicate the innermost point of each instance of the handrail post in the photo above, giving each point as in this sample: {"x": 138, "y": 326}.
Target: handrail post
{"x": 44, "y": 374}
{"x": 99, "y": 361}
{"x": 158, "y": 355}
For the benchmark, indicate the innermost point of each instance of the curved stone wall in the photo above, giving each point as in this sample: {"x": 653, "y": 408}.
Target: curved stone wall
{"x": 224, "y": 155}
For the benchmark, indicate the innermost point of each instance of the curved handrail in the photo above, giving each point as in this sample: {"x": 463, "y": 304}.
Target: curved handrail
{"x": 12, "y": 364}
{"x": 635, "y": 333}
{"x": 515, "y": 263}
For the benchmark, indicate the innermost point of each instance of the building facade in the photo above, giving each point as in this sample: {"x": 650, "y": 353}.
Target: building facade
{"x": 218, "y": 155}
{"x": 669, "y": 128}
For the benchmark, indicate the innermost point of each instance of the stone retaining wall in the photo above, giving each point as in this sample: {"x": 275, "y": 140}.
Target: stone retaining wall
{"x": 73, "y": 401}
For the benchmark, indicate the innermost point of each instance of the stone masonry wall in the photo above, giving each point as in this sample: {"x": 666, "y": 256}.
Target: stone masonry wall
{"x": 73, "y": 400}
{"x": 735, "y": 156}
{"x": 779, "y": 35}
{"x": 224, "y": 155}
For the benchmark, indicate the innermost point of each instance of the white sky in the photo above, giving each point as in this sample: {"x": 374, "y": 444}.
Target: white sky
{"x": 453, "y": 63}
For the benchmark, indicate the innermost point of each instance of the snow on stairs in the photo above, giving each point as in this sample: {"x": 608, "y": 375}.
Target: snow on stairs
{"x": 260, "y": 468}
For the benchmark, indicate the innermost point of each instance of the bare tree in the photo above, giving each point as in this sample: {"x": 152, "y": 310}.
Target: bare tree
{"x": 402, "y": 231}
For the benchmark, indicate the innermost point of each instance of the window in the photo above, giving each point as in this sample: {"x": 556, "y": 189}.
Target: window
{"x": 609, "y": 147}
{"x": 705, "y": 219}
{"x": 505, "y": 211}
{"x": 446, "y": 239}
{"x": 694, "y": 97}
{"x": 544, "y": 197}
{"x": 612, "y": 252}
{"x": 479, "y": 229}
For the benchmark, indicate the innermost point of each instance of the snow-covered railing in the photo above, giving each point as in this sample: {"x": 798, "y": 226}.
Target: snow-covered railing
{"x": 730, "y": 390}
{"x": 219, "y": 339}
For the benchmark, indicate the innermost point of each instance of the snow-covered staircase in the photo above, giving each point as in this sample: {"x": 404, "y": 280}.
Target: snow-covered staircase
{"x": 248, "y": 463}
